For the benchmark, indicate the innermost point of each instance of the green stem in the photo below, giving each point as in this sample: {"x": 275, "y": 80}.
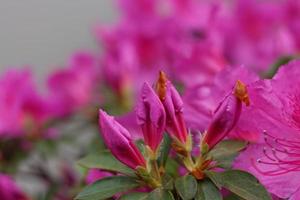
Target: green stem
{"x": 155, "y": 170}
{"x": 188, "y": 161}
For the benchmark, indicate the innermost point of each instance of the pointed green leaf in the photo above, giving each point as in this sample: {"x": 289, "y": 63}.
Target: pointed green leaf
{"x": 207, "y": 191}
{"x": 160, "y": 194}
{"x": 241, "y": 183}
{"x": 107, "y": 187}
{"x": 225, "y": 152}
{"x": 134, "y": 196}
{"x": 105, "y": 161}
{"x": 186, "y": 187}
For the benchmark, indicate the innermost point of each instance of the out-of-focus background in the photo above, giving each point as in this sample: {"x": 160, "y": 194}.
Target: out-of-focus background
{"x": 43, "y": 33}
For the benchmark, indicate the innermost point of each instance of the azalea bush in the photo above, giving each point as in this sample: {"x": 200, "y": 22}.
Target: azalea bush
{"x": 187, "y": 99}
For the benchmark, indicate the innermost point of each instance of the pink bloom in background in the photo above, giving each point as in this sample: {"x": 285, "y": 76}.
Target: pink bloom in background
{"x": 256, "y": 33}
{"x": 151, "y": 117}
{"x": 173, "y": 36}
{"x": 119, "y": 141}
{"x": 73, "y": 87}
{"x": 292, "y": 16}
{"x": 21, "y": 108}
{"x": 275, "y": 115}
{"x": 9, "y": 190}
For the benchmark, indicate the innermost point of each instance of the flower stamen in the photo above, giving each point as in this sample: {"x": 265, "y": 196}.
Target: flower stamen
{"x": 282, "y": 154}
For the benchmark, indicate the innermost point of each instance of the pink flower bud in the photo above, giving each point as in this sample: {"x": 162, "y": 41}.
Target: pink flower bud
{"x": 226, "y": 115}
{"x": 119, "y": 141}
{"x": 151, "y": 117}
{"x": 173, "y": 105}
{"x": 95, "y": 175}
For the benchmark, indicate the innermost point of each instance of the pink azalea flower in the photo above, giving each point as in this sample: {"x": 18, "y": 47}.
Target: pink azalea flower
{"x": 9, "y": 190}
{"x": 72, "y": 88}
{"x": 22, "y": 109}
{"x": 151, "y": 117}
{"x": 275, "y": 115}
{"x": 119, "y": 141}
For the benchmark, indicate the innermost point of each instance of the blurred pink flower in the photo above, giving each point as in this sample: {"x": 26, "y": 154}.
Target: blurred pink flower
{"x": 177, "y": 37}
{"x": 22, "y": 109}
{"x": 73, "y": 87}
{"x": 119, "y": 142}
{"x": 275, "y": 116}
{"x": 9, "y": 190}
{"x": 151, "y": 117}
{"x": 256, "y": 33}
{"x": 292, "y": 16}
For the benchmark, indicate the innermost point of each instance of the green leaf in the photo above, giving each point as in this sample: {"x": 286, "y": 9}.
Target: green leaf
{"x": 278, "y": 63}
{"x": 105, "y": 161}
{"x": 208, "y": 191}
{"x": 134, "y": 196}
{"x": 172, "y": 167}
{"x": 240, "y": 183}
{"x": 164, "y": 150}
{"x": 226, "y": 151}
{"x": 107, "y": 187}
{"x": 233, "y": 197}
{"x": 141, "y": 146}
{"x": 160, "y": 194}
{"x": 186, "y": 186}
{"x": 167, "y": 182}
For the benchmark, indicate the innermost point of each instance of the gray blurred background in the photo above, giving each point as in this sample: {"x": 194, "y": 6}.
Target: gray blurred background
{"x": 43, "y": 33}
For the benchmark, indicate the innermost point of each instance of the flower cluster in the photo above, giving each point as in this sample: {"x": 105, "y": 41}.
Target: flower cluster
{"x": 160, "y": 109}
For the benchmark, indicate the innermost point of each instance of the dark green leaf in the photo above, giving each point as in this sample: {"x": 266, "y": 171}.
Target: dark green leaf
{"x": 107, "y": 187}
{"x": 233, "y": 197}
{"x": 226, "y": 151}
{"x": 164, "y": 150}
{"x": 186, "y": 187}
{"x": 207, "y": 191}
{"x": 105, "y": 161}
{"x": 160, "y": 194}
{"x": 241, "y": 183}
{"x": 134, "y": 196}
